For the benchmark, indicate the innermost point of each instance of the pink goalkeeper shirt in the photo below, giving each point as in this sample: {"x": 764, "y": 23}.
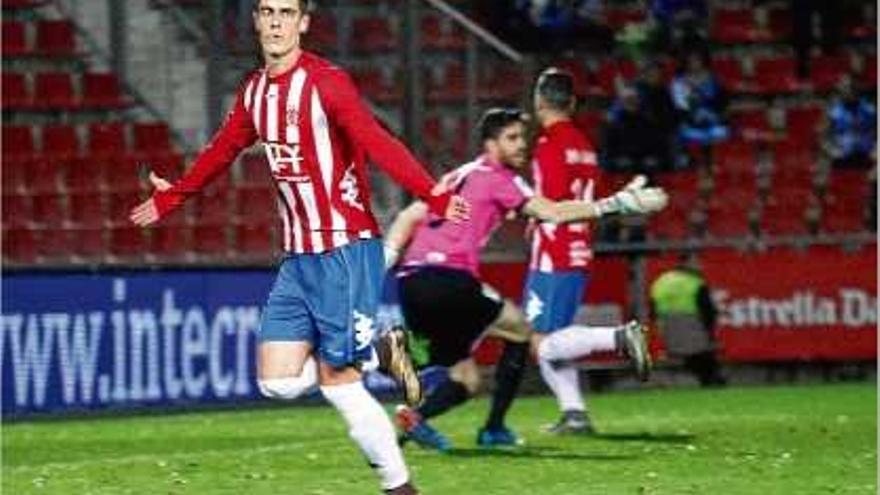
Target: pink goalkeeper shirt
{"x": 492, "y": 190}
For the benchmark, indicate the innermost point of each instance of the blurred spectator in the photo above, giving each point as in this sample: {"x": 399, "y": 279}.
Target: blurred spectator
{"x": 851, "y": 135}
{"x": 656, "y": 98}
{"x": 551, "y": 26}
{"x": 700, "y": 101}
{"x": 682, "y": 306}
{"x": 830, "y": 21}
{"x": 633, "y": 142}
{"x": 680, "y": 25}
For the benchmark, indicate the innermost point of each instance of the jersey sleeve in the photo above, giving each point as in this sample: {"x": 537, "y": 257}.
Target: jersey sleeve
{"x": 348, "y": 112}
{"x": 236, "y": 134}
{"x": 550, "y": 160}
{"x": 511, "y": 194}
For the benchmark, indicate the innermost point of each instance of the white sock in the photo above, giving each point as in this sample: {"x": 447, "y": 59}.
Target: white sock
{"x": 564, "y": 381}
{"x": 370, "y": 428}
{"x": 576, "y": 341}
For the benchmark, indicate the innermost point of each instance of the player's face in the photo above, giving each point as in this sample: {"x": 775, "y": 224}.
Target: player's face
{"x": 280, "y": 24}
{"x": 511, "y": 145}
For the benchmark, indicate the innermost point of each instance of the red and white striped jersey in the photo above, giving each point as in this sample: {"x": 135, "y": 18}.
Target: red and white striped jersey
{"x": 564, "y": 168}
{"x": 317, "y": 135}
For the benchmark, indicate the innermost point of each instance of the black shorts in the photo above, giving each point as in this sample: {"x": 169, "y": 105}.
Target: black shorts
{"x": 449, "y": 308}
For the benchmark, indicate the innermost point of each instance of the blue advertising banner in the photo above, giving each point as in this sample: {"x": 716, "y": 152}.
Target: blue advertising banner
{"x": 91, "y": 341}
{"x": 82, "y": 342}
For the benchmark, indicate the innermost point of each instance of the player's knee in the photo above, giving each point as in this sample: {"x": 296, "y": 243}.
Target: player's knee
{"x": 287, "y": 388}
{"x": 545, "y": 349}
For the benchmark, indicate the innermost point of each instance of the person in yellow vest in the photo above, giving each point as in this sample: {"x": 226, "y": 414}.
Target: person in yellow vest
{"x": 682, "y": 307}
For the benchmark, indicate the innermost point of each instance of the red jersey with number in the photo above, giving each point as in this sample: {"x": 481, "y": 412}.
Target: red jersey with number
{"x": 317, "y": 135}
{"x": 564, "y": 168}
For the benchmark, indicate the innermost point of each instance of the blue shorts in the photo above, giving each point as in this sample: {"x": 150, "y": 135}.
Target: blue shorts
{"x": 550, "y": 300}
{"x": 328, "y": 299}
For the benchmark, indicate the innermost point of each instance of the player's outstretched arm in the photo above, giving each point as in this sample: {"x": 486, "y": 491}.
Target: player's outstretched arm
{"x": 401, "y": 230}
{"x": 634, "y": 198}
{"x": 147, "y": 213}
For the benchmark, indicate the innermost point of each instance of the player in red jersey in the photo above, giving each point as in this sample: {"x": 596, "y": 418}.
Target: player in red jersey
{"x": 564, "y": 168}
{"x": 320, "y": 316}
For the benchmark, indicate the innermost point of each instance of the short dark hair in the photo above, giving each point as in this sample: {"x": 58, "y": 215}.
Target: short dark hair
{"x": 496, "y": 120}
{"x": 556, "y": 87}
{"x": 305, "y": 6}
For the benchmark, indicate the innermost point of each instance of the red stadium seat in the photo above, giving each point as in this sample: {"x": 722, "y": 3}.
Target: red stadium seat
{"x": 776, "y": 75}
{"x": 107, "y": 139}
{"x": 826, "y": 71}
{"x": 60, "y": 142}
{"x": 255, "y": 202}
{"x": 152, "y": 138}
{"x": 16, "y": 95}
{"x": 780, "y": 22}
{"x": 43, "y": 175}
{"x": 127, "y": 242}
{"x": 752, "y": 124}
{"x": 802, "y": 124}
{"x": 86, "y": 209}
{"x": 686, "y": 183}
{"x": 82, "y": 175}
{"x": 323, "y": 32}
{"x": 48, "y": 209}
{"x": 729, "y": 216}
{"x": 213, "y": 206}
{"x": 378, "y": 85}
{"x": 18, "y": 143}
{"x": 210, "y": 239}
{"x": 54, "y": 91}
{"x": 169, "y": 240}
{"x": 19, "y": 246}
{"x": 501, "y": 81}
{"x": 733, "y": 26}
{"x": 794, "y": 167}
{"x": 785, "y": 214}
{"x": 446, "y": 83}
{"x": 735, "y": 155}
{"x": 55, "y": 38}
{"x": 254, "y": 239}
{"x": 842, "y": 217}
{"x": 255, "y": 170}
{"x": 847, "y": 186}
{"x": 16, "y": 210}
{"x": 730, "y": 74}
{"x": 88, "y": 243}
{"x": 373, "y": 34}
{"x": 15, "y": 176}
{"x": 440, "y": 33}
{"x": 101, "y": 90}
{"x": 14, "y": 39}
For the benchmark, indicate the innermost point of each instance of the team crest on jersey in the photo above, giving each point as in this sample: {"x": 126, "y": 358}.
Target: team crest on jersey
{"x": 534, "y": 307}
{"x": 350, "y": 191}
{"x": 285, "y": 161}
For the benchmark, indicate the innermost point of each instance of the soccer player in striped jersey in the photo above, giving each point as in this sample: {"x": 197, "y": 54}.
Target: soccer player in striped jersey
{"x": 318, "y": 322}
{"x": 564, "y": 168}
{"x": 442, "y": 297}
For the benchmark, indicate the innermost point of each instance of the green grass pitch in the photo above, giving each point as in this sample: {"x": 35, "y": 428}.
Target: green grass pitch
{"x": 757, "y": 440}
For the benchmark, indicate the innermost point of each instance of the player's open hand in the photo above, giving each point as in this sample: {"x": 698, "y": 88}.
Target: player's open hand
{"x": 146, "y": 213}
{"x": 458, "y": 210}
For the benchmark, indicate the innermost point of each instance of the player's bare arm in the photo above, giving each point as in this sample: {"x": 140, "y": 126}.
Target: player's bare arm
{"x": 402, "y": 229}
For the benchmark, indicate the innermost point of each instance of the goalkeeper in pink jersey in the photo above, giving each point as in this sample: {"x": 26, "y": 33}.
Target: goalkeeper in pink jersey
{"x": 442, "y": 297}
{"x": 318, "y": 322}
